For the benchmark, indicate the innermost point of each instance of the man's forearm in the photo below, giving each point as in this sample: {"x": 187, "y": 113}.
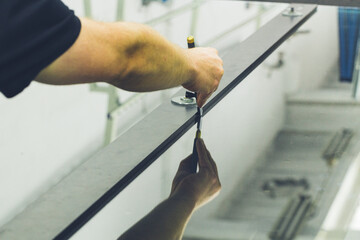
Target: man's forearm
{"x": 166, "y": 222}
{"x": 128, "y": 55}
{"x": 152, "y": 62}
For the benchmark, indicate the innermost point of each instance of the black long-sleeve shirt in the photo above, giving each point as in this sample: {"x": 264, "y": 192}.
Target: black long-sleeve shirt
{"x": 33, "y": 33}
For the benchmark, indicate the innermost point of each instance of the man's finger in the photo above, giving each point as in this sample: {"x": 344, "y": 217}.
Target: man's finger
{"x": 213, "y": 163}
{"x": 203, "y": 158}
{"x": 186, "y": 164}
{"x": 201, "y": 99}
{"x": 210, "y": 163}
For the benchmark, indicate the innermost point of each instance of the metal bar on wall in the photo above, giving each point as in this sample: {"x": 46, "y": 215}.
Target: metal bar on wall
{"x": 87, "y": 8}
{"x": 69, "y": 205}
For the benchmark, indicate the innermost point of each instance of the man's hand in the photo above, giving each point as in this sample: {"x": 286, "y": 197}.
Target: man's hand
{"x": 189, "y": 191}
{"x": 197, "y": 188}
{"x": 134, "y": 57}
{"x": 208, "y": 72}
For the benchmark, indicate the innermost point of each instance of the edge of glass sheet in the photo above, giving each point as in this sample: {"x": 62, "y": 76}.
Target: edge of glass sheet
{"x": 343, "y": 3}
{"x": 70, "y": 204}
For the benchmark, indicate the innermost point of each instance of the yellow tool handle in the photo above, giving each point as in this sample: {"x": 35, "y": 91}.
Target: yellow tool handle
{"x": 191, "y": 42}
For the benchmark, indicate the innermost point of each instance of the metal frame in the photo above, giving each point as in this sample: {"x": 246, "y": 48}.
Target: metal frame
{"x": 356, "y": 73}
{"x": 81, "y": 195}
{"x": 345, "y": 3}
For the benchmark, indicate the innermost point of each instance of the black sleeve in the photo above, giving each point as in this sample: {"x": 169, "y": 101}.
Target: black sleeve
{"x": 33, "y": 33}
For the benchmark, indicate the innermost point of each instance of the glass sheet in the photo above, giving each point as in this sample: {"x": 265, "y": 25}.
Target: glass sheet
{"x": 288, "y": 132}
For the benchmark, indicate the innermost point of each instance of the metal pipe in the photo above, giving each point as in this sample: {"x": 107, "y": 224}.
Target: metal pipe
{"x": 356, "y": 73}
{"x": 195, "y": 17}
{"x": 120, "y": 10}
{"x": 87, "y": 8}
{"x": 176, "y": 12}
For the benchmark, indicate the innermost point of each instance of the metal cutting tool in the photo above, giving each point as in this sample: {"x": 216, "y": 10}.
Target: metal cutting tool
{"x": 191, "y": 44}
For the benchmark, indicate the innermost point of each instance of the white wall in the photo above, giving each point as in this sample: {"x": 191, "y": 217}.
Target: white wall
{"x": 47, "y": 131}
{"x": 310, "y": 57}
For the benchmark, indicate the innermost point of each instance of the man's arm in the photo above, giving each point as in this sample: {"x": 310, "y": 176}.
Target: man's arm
{"x": 134, "y": 57}
{"x": 189, "y": 192}
{"x": 165, "y": 222}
